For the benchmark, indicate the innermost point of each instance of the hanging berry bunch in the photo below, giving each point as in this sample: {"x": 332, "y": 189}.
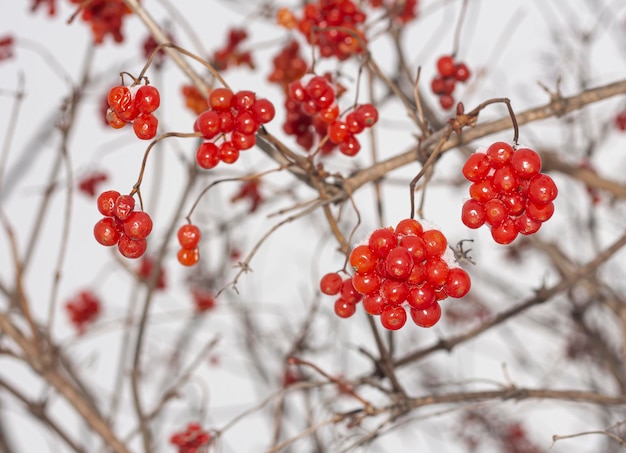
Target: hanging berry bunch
{"x": 192, "y": 439}
{"x": 449, "y": 72}
{"x": 289, "y": 65}
{"x": 105, "y": 17}
{"x": 136, "y": 106}
{"x": 343, "y": 133}
{"x": 122, "y": 225}
{"x": 508, "y": 192}
{"x": 235, "y": 117}
{"x": 399, "y": 269}
{"x": 334, "y": 26}
{"x": 189, "y": 236}
{"x": 88, "y": 183}
{"x": 232, "y": 54}
{"x": 83, "y": 309}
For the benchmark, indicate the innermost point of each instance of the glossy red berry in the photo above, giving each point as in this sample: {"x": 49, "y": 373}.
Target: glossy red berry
{"x": 526, "y": 163}
{"x": 145, "y": 126}
{"x": 426, "y": 317}
{"x": 473, "y": 214}
{"x": 409, "y": 227}
{"x": 373, "y": 304}
{"x": 505, "y": 232}
{"x": 220, "y": 99}
{"x": 263, "y": 111}
{"x": 362, "y": 259}
{"x": 542, "y": 189}
{"x": 242, "y": 141}
{"x": 131, "y": 248}
{"x": 106, "y": 202}
{"x": 228, "y": 153}
{"x": 106, "y": 232}
{"x": 147, "y": 99}
{"x": 421, "y": 296}
{"x": 330, "y": 283}
{"x": 457, "y": 283}
{"x": 138, "y": 225}
{"x": 188, "y": 257}
{"x": 243, "y": 100}
{"x": 495, "y": 212}
{"x": 189, "y": 236}
{"x": 461, "y": 72}
{"x": 399, "y": 263}
{"x": 350, "y": 146}
{"x": 124, "y": 206}
{"x": 208, "y": 123}
{"x": 436, "y": 271}
{"x": 393, "y": 317}
{"x": 366, "y": 115}
{"x": 436, "y": 242}
{"x": 119, "y": 98}
{"x": 337, "y": 131}
{"x": 381, "y": 242}
{"x": 348, "y": 292}
{"x": 541, "y": 212}
{"x": 476, "y": 167}
{"x": 499, "y": 154}
{"x": 366, "y": 283}
{"x": 344, "y": 309}
{"x": 208, "y": 155}
{"x": 446, "y": 66}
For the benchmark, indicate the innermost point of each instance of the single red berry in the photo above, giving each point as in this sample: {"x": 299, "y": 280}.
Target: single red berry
{"x": 207, "y": 155}
{"x": 227, "y": 121}
{"x": 542, "y": 189}
{"x": 106, "y": 232}
{"x": 138, "y": 225}
{"x": 381, "y": 241}
{"x": 393, "y": 317}
{"x": 436, "y": 271}
{"x": 421, "y": 296}
{"x": 263, "y": 111}
{"x": 526, "y": 225}
{"x": 189, "y": 236}
{"x": 348, "y": 292}
{"x": 409, "y": 227}
{"x": 354, "y": 126}
{"x": 446, "y": 66}
{"x": 243, "y": 100}
{"x": 436, "y": 242}
{"x": 188, "y": 257}
{"x": 131, "y": 248}
{"x": 362, "y": 259}
{"x": 505, "y": 180}
{"x": 344, "y": 309}
{"x": 499, "y": 154}
{"x": 483, "y": 191}
{"x": 476, "y": 167}
{"x": 366, "y": 115}
{"x": 526, "y": 163}
{"x": 505, "y": 232}
{"x": 228, "y": 152}
{"x": 473, "y": 214}
{"x": 541, "y": 212}
{"x": 337, "y": 131}
{"x": 438, "y": 85}
{"x": 329, "y": 114}
{"x": 130, "y": 113}
{"x": 119, "y": 98}
{"x": 147, "y": 99}
{"x": 418, "y": 275}
{"x": 145, "y": 126}
{"x": 495, "y": 212}
{"x": 242, "y": 141}
{"x": 106, "y": 202}
{"x": 399, "y": 263}
{"x": 208, "y": 123}
{"x": 114, "y": 120}
{"x": 416, "y": 246}
{"x": 446, "y": 101}
{"x": 220, "y": 99}
{"x": 124, "y": 205}
{"x": 330, "y": 284}
{"x": 427, "y": 317}
{"x": 297, "y": 92}
{"x": 393, "y": 291}
{"x": 245, "y": 123}
{"x": 325, "y": 99}
{"x": 457, "y": 283}
{"x": 366, "y": 283}
{"x": 350, "y": 146}
{"x": 515, "y": 203}
{"x": 373, "y": 304}
{"x": 461, "y": 72}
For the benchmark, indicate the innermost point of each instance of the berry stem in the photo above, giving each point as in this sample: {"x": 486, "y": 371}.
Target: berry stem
{"x": 457, "y": 31}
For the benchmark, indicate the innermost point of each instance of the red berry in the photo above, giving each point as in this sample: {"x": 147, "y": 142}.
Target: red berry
{"x": 145, "y": 126}
{"x": 381, "y": 241}
{"x": 373, "y": 304}
{"x": 227, "y": 121}
{"x": 427, "y": 317}
{"x": 330, "y": 283}
{"x": 483, "y": 191}
{"x": 438, "y": 85}
{"x": 436, "y": 271}
{"x": 208, "y": 123}
{"x": 366, "y": 115}
{"x": 394, "y": 291}
{"x": 337, "y": 131}
{"x": 416, "y": 246}
{"x": 473, "y": 214}
{"x": 119, "y": 98}
{"x": 350, "y": 146}
{"x": 542, "y": 189}
{"x": 228, "y": 153}
{"x": 457, "y": 283}
{"x": 242, "y": 141}
{"x": 446, "y": 66}
{"x": 188, "y": 257}
{"x": 409, "y": 227}
{"x": 362, "y": 259}
{"x": 515, "y": 203}
{"x": 526, "y": 163}
{"x": 366, "y": 283}
{"x": 138, "y": 225}
{"x": 499, "y": 154}
{"x": 436, "y": 242}
{"x": 207, "y": 155}
{"x": 106, "y": 232}
{"x": 263, "y": 111}
{"x": 189, "y": 236}
{"x": 476, "y": 167}
{"x": 446, "y": 101}
{"x": 393, "y": 317}
{"x": 124, "y": 206}
{"x": 106, "y": 202}
{"x": 245, "y": 123}
{"x": 130, "y": 113}
{"x": 297, "y": 92}
{"x": 354, "y": 126}
{"x": 505, "y": 232}
{"x": 495, "y": 212}
{"x": 348, "y": 292}
{"x": 243, "y": 100}
{"x": 344, "y": 309}
{"x": 114, "y": 120}
{"x": 540, "y": 213}
{"x": 461, "y": 72}
{"x": 526, "y": 225}
{"x": 398, "y": 263}
{"x": 131, "y": 248}
{"x": 220, "y": 99}
{"x": 147, "y": 99}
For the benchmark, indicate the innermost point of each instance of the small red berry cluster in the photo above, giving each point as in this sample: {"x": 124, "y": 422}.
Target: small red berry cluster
{"x": 189, "y": 237}
{"x": 121, "y": 224}
{"x": 83, "y": 309}
{"x": 333, "y": 26}
{"x": 87, "y": 184}
{"x": 127, "y": 105}
{"x": 401, "y": 11}
{"x": 191, "y": 439}
{"x": 234, "y": 116}
{"x": 105, "y": 17}
{"x": 449, "y": 72}
{"x": 231, "y": 54}
{"x": 405, "y": 267}
{"x": 289, "y": 65}
{"x": 343, "y": 133}
{"x": 508, "y": 192}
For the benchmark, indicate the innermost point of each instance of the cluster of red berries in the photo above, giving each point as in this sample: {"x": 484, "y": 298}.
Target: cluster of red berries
{"x": 192, "y": 439}
{"x": 127, "y": 105}
{"x": 405, "y": 267}
{"x": 231, "y": 54}
{"x": 235, "y": 116}
{"x": 88, "y": 183}
{"x": 402, "y": 11}
{"x": 620, "y": 121}
{"x": 343, "y": 133}
{"x": 508, "y": 192}
{"x": 289, "y": 65}
{"x": 105, "y": 17}
{"x": 83, "y": 309}
{"x": 121, "y": 224}
{"x": 449, "y": 72}
{"x": 334, "y": 27}
{"x": 189, "y": 237}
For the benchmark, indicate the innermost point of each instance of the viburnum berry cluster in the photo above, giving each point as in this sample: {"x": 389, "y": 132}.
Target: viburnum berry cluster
{"x": 343, "y": 132}
{"x": 334, "y": 26}
{"x": 189, "y": 236}
{"x": 235, "y": 117}
{"x": 289, "y": 65}
{"x": 231, "y": 54}
{"x": 191, "y": 439}
{"x": 401, "y": 11}
{"x": 121, "y": 224}
{"x": 134, "y": 105}
{"x": 83, "y": 309}
{"x": 399, "y": 268}
{"x": 443, "y": 84}
{"x": 88, "y": 183}
{"x": 105, "y": 17}
{"x": 508, "y": 192}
